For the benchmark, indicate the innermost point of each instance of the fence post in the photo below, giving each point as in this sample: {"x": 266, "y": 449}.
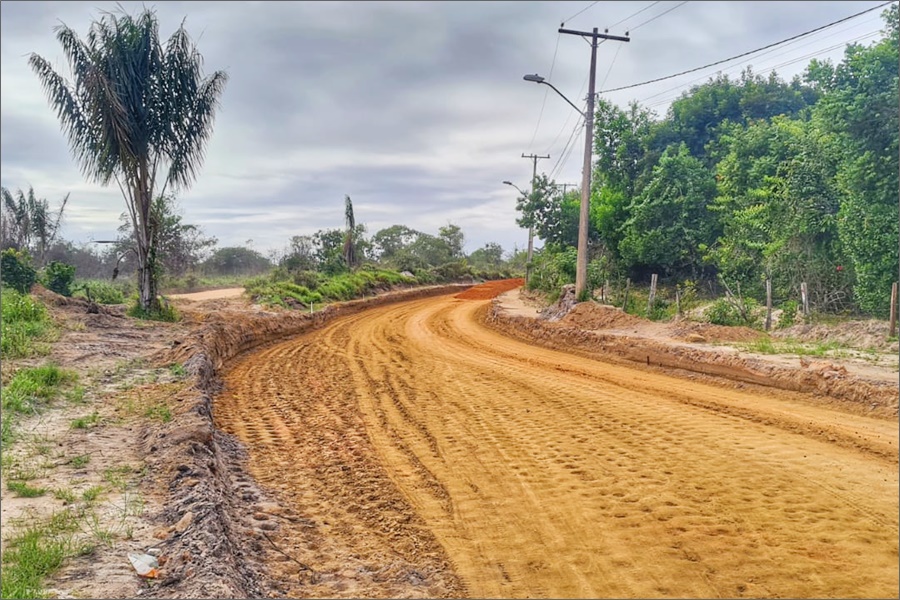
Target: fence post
{"x": 652, "y": 296}
{"x": 606, "y": 291}
{"x": 804, "y": 296}
{"x": 768, "y": 304}
{"x": 677, "y": 301}
{"x": 625, "y": 301}
{"x": 893, "y": 309}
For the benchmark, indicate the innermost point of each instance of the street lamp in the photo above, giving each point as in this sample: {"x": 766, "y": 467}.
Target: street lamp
{"x": 530, "y": 254}
{"x": 584, "y": 212}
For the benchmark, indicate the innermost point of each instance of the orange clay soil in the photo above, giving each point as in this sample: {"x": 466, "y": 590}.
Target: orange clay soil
{"x": 423, "y": 453}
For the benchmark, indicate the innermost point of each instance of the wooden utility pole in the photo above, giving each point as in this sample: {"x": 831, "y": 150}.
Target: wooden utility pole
{"x": 566, "y": 185}
{"x": 535, "y": 158}
{"x": 893, "y": 321}
{"x": 584, "y": 214}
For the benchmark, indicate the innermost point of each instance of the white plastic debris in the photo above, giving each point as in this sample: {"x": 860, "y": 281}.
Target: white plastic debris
{"x": 144, "y": 564}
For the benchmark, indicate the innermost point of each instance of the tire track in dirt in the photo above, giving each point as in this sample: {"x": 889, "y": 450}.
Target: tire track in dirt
{"x": 412, "y": 437}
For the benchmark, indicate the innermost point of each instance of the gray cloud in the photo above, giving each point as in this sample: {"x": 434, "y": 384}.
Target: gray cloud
{"x": 416, "y": 109}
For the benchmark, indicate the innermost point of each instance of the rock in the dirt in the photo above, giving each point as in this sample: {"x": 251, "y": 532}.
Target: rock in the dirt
{"x": 695, "y": 338}
{"x": 184, "y": 522}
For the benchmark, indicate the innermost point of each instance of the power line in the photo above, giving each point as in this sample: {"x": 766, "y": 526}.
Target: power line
{"x": 776, "y": 67}
{"x": 658, "y": 16}
{"x": 732, "y": 67}
{"x": 633, "y": 14}
{"x": 546, "y": 91}
{"x": 612, "y": 62}
{"x": 579, "y": 12}
{"x": 719, "y": 62}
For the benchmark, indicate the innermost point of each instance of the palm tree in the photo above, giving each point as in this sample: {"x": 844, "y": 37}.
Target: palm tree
{"x": 31, "y": 222}
{"x": 134, "y": 111}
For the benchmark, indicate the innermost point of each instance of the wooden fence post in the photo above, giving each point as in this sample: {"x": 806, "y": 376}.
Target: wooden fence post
{"x": 768, "y": 304}
{"x": 625, "y": 301}
{"x": 677, "y": 301}
{"x": 893, "y": 309}
{"x": 804, "y": 297}
{"x": 652, "y": 296}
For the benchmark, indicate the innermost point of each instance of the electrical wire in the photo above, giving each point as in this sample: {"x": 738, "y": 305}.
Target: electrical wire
{"x": 651, "y": 19}
{"x": 732, "y": 68}
{"x": 609, "y": 70}
{"x": 776, "y": 67}
{"x": 579, "y": 12}
{"x": 546, "y": 91}
{"x": 719, "y": 62}
{"x": 633, "y": 15}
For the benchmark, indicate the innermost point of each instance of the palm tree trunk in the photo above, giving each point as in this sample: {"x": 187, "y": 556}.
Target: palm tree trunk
{"x": 145, "y": 250}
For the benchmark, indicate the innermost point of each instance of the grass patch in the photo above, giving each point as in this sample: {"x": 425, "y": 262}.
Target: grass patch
{"x": 23, "y": 490}
{"x": 164, "y": 312}
{"x": 66, "y": 495}
{"x": 25, "y": 326}
{"x": 791, "y": 346}
{"x": 87, "y": 422}
{"x": 32, "y": 387}
{"x": 159, "y": 412}
{"x": 80, "y": 461}
{"x": 275, "y": 291}
{"x": 92, "y": 493}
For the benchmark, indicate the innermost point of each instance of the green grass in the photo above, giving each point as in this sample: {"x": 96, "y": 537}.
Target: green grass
{"x": 164, "y": 312}
{"x": 160, "y": 412}
{"x": 92, "y": 493}
{"x": 80, "y": 461}
{"x": 23, "y": 490}
{"x": 32, "y": 556}
{"x": 86, "y": 422}
{"x": 29, "y": 390}
{"x": 791, "y": 346}
{"x": 26, "y": 326}
{"x": 101, "y": 291}
{"x": 345, "y": 286}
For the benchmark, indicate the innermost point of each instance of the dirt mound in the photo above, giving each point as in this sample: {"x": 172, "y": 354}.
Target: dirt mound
{"x": 588, "y": 315}
{"x": 691, "y": 331}
{"x": 864, "y": 335}
{"x": 490, "y": 289}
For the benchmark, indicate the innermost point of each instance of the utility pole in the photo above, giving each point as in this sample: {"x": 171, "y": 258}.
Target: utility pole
{"x": 584, "y": 214}
{"x": 566, "y": 185}
{"x": 534, "y": 158}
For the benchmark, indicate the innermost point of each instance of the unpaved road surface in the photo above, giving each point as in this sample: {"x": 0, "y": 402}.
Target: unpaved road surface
{"x": 426, "y": 454}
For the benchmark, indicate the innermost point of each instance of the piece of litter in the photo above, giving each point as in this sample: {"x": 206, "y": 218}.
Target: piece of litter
{"x": 144, "y": 564}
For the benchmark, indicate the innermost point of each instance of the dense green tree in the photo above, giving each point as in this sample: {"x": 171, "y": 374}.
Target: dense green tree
{"x": 669, "y": 223}
{"x": 135, "y": 111}
{"x": 236, "y": 260}
{"x": 860, "y": 107}
{"x": 488, "y": 256}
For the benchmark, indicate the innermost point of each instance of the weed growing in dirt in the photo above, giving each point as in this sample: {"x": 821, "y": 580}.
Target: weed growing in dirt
{"x": 119, "y": 477}
{"x": 99, "y": 291}
{"x": 160, "y": 412}
{"x": 86, "y": 422}
{"x": 177, "y": 370}
{"x": 65, "y": 494}
{"x": 26, "y": 325}
{"x": 23, "y": 490}
{"x": 32, "y": 556}
{"x": 92, "y": 493}
{"x": 29, "y": 390}
{"x": 80, "y": 461}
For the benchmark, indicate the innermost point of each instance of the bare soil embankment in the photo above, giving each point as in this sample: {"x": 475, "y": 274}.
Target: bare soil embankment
{"x": 608, "y": 333}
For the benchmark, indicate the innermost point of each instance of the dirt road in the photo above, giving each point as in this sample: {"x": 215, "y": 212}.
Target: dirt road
{"x": 428, "y": 455}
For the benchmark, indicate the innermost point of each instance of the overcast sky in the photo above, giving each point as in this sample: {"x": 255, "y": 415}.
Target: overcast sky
{"x": 417, "y": 110}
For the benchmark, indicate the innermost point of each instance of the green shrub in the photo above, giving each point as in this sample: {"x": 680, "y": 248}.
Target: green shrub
{"x": 23, "y": 322}
{"x": 58, "y": 277}
{"x": 789, "y": 310}
{"x": 164, "y": 312}
{"x": 100, "y": 292}
{"x": 16, "y": 270}
{"x": 728, "y": 312}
